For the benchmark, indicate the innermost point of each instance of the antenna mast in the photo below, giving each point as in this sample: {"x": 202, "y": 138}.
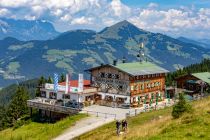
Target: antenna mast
{"x": 140, "y": 54}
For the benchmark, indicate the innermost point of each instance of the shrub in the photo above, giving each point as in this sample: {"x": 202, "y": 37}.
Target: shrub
{"x": 181, "y": 107}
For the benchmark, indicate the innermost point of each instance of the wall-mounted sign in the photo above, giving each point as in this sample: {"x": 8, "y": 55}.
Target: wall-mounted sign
{"x": 61, "y": 88}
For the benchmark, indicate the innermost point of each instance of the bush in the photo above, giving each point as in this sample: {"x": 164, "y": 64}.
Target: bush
{"x": 181, "y": 107}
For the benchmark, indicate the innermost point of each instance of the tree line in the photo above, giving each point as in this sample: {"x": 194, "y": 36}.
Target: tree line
{"x": 14, "y": 112}
{"x": 204, "y": 66}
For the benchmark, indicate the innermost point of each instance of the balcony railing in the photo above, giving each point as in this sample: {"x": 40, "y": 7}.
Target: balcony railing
{"x": 41, "y": 104}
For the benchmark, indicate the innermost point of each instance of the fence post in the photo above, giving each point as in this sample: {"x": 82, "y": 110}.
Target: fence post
{"x": 97, "y": 114}
{"x": 87, "y": 113}
{"x": 135, "y": 112}
{"x": 105, "y": 115}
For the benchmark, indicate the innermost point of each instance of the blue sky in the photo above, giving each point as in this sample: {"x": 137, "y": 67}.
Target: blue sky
{"x": 168, "y": 3}
{"x": 188, "y": 18}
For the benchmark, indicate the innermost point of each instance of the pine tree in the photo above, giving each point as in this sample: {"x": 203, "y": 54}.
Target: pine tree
{"x": 18, "y": 106}
{"x": 49, "y": 80}
{"x": 2, "y": 117}
{"x": 41, "y": 83}
{"x": 62, "y": 78}
{"x": 181, "y": 107}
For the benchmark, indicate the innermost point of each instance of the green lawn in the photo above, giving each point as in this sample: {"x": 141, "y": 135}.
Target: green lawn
{"x": 159, "y": 125}
{"x": 40, "y": 131}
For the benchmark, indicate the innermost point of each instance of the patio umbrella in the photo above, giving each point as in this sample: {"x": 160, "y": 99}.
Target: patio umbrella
{"x": 139, "y": 99}
{"x": 156, "y": 101}
{"x": 152, "y": 97}
{"x": 150, "y": 103}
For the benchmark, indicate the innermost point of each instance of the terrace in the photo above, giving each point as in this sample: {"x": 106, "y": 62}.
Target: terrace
{"x": 52, "y": 105}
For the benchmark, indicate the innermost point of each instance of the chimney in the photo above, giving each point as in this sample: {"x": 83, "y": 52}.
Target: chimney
{"x": 115, "y": 62}
{"x": 124, "y": 59}
{"x": 102, "y": 64}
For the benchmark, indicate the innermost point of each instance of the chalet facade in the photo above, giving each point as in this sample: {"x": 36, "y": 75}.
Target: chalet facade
{"x": 125, "y": 84}
{"x": 135, "y": 83}
{"x": 68, "y": 99}
{"x": 194, "y": 83}
{"x": 73, "y": 93}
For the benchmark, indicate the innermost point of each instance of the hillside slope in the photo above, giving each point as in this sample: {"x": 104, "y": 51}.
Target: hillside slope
{"x": 8, "y": 92}
{"x": 159, "y": 125}
{"x": 40, "y": 131}
{"x": 77, "y": 50}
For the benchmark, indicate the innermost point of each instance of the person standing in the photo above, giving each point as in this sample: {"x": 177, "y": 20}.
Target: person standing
{"x": 125, "y": 125}
{"x": 118, "y": 127}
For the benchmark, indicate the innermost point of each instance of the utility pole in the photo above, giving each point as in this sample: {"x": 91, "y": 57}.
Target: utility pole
{"x": 141, "y": 52}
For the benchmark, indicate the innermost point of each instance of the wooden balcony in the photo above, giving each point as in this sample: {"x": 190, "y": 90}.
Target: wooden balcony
{"x": 41, "y": 104}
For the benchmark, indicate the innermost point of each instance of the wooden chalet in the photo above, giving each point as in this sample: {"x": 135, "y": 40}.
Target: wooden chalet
{"x": 134, "y": 83}
{"x": 195, "y": 83}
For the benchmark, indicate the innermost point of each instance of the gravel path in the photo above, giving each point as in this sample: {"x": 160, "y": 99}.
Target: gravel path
{"x": 83, "y": 126}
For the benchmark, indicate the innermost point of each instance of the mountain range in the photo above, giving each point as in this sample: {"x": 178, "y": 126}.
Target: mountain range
{"x": 27, "y": 29}
{"x": 77, "y": 50}
{"x": 201, "y": 42}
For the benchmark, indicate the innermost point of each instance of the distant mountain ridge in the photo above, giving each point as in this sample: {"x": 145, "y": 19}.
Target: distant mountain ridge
{"x": 27, "y": 30}
{"x": 204, "y": 43}
{"x": 77, "y": 50}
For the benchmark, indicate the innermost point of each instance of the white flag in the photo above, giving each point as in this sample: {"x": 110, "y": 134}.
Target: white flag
{"x": 81, "y": 83}
{"x": 67, "y": 84}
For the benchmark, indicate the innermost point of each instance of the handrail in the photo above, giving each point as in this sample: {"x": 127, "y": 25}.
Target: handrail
{"x": 55, "y": 108}
{"x": 97, "y": 113}
{"x": 31, "y": 101}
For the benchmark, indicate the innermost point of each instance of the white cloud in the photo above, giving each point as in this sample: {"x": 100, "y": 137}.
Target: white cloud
{"x": 29, "y": 17}
{"x": 4, "y": 12}
{"x": 96, "y": 14}
{"x": 14, "y": 3}
{"x": 118, "y": 8}
{"x": 82, "y": 20}
{"x": 153, "y": 5}
{"x": 57, "y": 12}
{"x": 65, "y": 18}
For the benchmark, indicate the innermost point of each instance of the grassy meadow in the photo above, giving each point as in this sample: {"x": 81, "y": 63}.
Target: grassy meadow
{"x": 40, "y": 131}
{"x": 159, "y": 125}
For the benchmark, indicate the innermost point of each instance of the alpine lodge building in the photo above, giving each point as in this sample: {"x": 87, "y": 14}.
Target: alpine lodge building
{"x": 115, "y": 85}
{"x": 132, "y": 84}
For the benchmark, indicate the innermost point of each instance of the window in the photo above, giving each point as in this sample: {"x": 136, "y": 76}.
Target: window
{"x": 113, "y": 76}
{"x": 136, "y": 87}
{"x": 43, "y": 94}
{"x": 102, "y": 75}
{"x": 120, "y": 87}
{"x": 117, "y": 76}
{"x": 109, "y": 75}
{"x": 106, "y": 75}
{"x": 53, "y": 95}
{"x": 142, "y": 87}
{"x": 66, "y": 96}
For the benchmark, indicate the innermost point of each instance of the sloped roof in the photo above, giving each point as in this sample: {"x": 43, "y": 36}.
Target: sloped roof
{"x": 142, "y": 68}
{"x": 204, "y": 76}
{"x": 74, "y": 83}
{"x": 137, "y": 68}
